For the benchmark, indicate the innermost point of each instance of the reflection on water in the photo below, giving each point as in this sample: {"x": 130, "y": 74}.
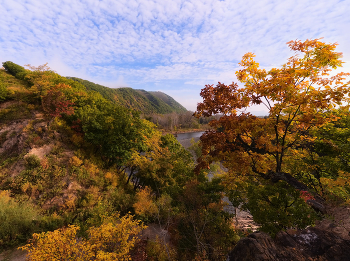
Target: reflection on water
{"x": 189, "y": 135}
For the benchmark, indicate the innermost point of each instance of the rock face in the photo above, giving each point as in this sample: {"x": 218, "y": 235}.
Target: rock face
{"x": 309, "y": 244}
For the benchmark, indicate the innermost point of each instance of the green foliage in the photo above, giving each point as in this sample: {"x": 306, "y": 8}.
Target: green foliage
{"x": 18, "y": 220}
{"x": 42, "y": 180}
{"x": 196, "y": 148}
{"x": 201, "y": 227}
{"x": 177, "y": 107}
{"x": 170, "y": 142}
{"x": 32, "y": 161}
{"x": 325, "y": 167}
{"x": 140, "y": 100}
{"x": 120, "y": 199}
{"x": 14, "y": 69}
{"x": 158, "y": 251}
{"x": 274, "y": 207}
{"x": 14, "y": 112}
{"x": 165, "y": 167}
{"x": 283, "y": 208}
{"x": 112, "y": 129}
{"x": 4, "y": 92}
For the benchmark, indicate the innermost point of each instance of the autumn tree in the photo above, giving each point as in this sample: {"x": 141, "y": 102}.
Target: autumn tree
{"x": 40, "y": 78}
{"x": 55, "y": 102}
{"x": 300, "y": 97}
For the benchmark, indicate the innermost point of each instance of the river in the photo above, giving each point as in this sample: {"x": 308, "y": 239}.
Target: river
{"x": 189, "y": 135}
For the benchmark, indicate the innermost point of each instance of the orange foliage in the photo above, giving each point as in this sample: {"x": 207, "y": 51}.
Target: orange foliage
{"x": 299, "y": 96}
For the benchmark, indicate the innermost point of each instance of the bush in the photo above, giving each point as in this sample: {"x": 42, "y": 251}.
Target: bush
{"x": 14, "y": 112}
{"x": 18, "y": 220}
{"x": 4, "y": 92}
{"x": 113, "y": 240}
{"x": 32, "y": 161}
{"x": 16, "y": 70}
{"x": 160, "y": 251}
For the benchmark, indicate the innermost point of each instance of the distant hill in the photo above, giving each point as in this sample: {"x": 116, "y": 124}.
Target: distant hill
{"x": 141, "y": 100}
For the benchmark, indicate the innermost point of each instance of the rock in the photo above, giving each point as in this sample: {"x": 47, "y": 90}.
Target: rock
{"x": 39, "y": 116}
{"x": 308, "y": 244}
{"x": 40, "y": 126}
{"x": 40, "y": 152}
{"x": 57, "y": 135}
{"x": 73, "y": 187}
{"x": 154, "y": 231}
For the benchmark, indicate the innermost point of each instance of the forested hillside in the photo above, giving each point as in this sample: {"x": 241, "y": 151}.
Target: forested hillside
{"x": 141, "y": 100}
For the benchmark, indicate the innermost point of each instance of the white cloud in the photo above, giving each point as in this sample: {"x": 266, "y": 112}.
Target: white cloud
{"x": 136, "y": 41}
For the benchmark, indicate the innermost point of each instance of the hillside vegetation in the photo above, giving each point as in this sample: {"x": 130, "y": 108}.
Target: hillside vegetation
{"x": 140, "y": 100}
{"x": 86, "y": 175}
{"x": 82, "y": 175}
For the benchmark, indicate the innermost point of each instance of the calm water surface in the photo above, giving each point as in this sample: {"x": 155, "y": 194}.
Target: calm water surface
{"x": 189, "y": 135}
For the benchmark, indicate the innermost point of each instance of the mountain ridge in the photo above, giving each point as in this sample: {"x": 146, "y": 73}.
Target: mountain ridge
{"x": 145, "y": 101}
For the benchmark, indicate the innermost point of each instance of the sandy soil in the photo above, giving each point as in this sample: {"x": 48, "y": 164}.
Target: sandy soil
{"x": 13, "y": 255}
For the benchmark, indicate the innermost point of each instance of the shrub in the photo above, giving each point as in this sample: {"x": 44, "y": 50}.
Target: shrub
{"x": 160, "y": 251}
{"x": 14, "y": 69}
{"x": 110, "y": 241}
{"x": 32, "y": 161}
{"x": 18, "y": 220}
{"x": 4, "y": 92}
{"x": 14, "y": 112}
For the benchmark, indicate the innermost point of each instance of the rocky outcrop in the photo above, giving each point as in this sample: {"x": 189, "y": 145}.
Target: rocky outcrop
{"x": 40, "y": 152}
{"x": 309, "y": 244}
{"x": 14, "y": 137}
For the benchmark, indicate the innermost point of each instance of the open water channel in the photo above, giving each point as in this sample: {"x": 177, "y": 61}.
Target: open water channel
{"x": 189, "y": 135}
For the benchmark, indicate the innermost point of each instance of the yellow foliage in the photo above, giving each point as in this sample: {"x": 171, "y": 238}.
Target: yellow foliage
{"x": 75, "y": 161}
{"x": 109, "y": 176}
{"x": 110, "y": 241}
{"x": 144, "y": 205}
{"x": 25, "y": 187}
{"x": 41, "y": 77}
{"x": 28, "y": 127}
{"x": 339, "y": 186}
{"x": 91, "y": 168}
{"x": 77, "y": 140}
{"x": 112, "y": 179}
{"x": 5, "y": 195}
{"x": 30, "y": 106}
{"x": 56, "y": 245}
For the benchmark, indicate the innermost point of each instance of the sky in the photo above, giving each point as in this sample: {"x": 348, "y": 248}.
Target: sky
{"x": 172, "y": 46}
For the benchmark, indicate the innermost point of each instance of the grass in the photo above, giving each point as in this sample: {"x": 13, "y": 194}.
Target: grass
{"x": 14, "y": 112}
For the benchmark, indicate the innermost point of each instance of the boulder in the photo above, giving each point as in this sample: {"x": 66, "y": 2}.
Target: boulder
{"x": 309, "y": 244}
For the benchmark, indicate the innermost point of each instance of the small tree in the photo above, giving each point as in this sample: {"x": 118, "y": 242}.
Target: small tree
{"x": 55, "y": 102}
{"x": 18, "y": 220}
